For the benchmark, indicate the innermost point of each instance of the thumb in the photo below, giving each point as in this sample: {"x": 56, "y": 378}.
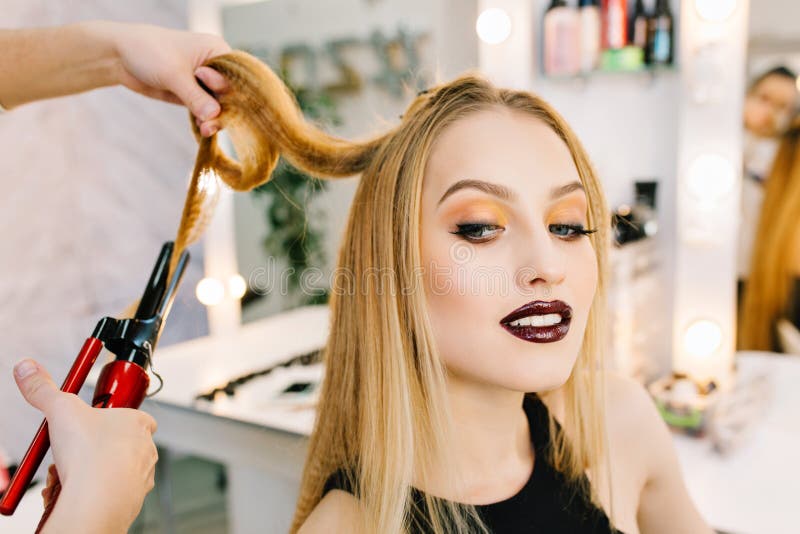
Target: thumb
{"x": 200, "y": 103}
{"x": 35, "y": 384}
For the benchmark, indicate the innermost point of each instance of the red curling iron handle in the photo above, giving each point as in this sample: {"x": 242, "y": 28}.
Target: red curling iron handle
{"x": 121, "y": 384}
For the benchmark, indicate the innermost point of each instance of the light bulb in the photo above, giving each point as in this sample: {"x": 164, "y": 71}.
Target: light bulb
{"x": 493, "y": 26}
{"x": 237, "y": 286}
{"x": 210, "y": 291}
{"x": 715, "y": 10}
{"x": 702, "y": 338}
{"x": 710, "y": 177}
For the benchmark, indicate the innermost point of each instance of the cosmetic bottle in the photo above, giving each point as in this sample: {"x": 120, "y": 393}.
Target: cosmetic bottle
{"x": 638, "y": 28}
{"x": 660, "y": 47}
{"x": 615, "y": 23}
{"x": 590, "y": 26}
{"x": 644, "y": 208}
{"x": 561, "y": 40}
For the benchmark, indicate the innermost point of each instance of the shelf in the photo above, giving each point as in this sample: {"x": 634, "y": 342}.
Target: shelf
{"x": 585, "y": 76}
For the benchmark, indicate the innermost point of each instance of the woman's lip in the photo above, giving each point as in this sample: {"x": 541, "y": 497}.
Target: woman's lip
{"x": 539, "y": 307}
{"x": 540, "y": 334}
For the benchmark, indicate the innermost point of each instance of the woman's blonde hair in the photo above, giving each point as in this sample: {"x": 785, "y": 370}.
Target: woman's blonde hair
{"x": 382, "y": 415}
{"x": 775, "y": 253}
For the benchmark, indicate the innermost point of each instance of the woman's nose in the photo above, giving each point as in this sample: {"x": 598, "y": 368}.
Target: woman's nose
{"x": 543, "y": 262}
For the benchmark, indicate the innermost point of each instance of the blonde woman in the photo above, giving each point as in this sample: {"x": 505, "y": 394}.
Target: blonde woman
{"x": 465, "y": 388}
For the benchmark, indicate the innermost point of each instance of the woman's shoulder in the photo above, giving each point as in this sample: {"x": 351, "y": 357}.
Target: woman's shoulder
{"x": 337, "y": 511}
{"x": 635, "y": 428}
{"x": 627, "y": 401}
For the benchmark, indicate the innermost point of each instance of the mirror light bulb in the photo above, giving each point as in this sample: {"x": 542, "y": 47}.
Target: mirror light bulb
{"x": 493, "y": 26}
{"x": 210, "y": 291}
{"x": 237, "y": 286}
{"x": 702, "y": 338}
{"x": 715, "y": 10}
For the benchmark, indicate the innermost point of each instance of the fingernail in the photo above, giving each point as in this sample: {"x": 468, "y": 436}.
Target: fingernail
{"x": 24, "y": 368}
{"x": 208, "y": 110}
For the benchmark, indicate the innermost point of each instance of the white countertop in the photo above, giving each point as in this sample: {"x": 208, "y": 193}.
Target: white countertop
{"x": 755, "y": 488}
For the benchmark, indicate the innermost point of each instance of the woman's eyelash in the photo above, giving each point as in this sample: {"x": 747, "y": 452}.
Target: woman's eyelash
{"x": 476, "y": 231}
{"x": 575, "y": 230}
{"x": 469, "y": 230}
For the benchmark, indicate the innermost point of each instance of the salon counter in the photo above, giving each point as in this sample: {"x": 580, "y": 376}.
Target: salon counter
{"x": 754, "y": 488}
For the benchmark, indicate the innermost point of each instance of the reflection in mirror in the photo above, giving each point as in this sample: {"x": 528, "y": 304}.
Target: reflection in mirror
{"x": 352, "y": 66}
{"x": 768, "y": 263}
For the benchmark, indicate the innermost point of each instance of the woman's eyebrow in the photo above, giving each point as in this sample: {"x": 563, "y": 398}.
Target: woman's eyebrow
{"x": 504, "y": 192}
{"x": 562, "y": 190}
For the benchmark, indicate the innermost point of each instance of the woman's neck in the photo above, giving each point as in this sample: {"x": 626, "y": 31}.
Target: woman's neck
{"x": 491, "y": 445}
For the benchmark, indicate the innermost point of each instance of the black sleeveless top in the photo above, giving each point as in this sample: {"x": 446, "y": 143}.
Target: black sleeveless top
{"x": 547, "y": 503}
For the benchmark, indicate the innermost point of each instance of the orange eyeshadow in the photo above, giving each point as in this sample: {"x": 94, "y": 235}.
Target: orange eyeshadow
{"x": 480, "y": 209}
{"x": 569, "y": 209}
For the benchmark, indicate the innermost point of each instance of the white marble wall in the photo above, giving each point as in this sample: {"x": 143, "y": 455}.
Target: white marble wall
{"x": 92, "y": 186}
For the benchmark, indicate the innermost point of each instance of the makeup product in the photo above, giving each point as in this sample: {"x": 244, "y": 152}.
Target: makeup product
{"x": 627, "y": 58}
{"x": 684, "y": 403}
{"x": 561, "y": 40}
{"x": 638, "y": 28}
{"x": 638, "y": 221}
{"x": 615, "y": 23}
{"x": 123, "y": 382}
{"x": 660, "y": 47}
{"x": 590, "y": 26}
{"x": 644, "y": 208}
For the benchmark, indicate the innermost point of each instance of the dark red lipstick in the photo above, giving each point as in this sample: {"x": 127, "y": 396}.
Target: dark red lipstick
{"x": 542, "y": 313}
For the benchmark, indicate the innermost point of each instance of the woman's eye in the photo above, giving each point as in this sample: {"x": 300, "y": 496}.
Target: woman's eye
{"x": 477, "y": 231}
{"x": 570, "y": 231}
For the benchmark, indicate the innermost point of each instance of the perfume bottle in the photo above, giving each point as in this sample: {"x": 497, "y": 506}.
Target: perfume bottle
{"x": 638, "y": 29}
{"x": 661, "y": 44}
{"x": 615, "y": 23}
{"x": 561, "y": 40}
{"x": 590, "y": 27}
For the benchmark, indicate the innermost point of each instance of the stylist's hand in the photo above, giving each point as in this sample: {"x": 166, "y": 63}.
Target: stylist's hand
{"x": 163, "y": 63}
{"x": 105, "y": 457}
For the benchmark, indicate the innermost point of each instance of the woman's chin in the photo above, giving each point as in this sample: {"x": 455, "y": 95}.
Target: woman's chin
{"x": 520, "y": 374}
{"x": 539, "y": 370}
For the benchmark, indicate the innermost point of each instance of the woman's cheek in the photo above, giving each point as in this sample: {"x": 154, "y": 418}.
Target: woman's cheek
{"x": 584, "y": 272}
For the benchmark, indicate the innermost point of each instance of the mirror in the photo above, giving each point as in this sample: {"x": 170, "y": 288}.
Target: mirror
{"x": 768, "y": 261}
{"x": 353, "y": 65}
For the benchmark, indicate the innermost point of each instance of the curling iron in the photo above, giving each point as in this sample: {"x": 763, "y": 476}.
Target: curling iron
{"x": 124, "y": 381}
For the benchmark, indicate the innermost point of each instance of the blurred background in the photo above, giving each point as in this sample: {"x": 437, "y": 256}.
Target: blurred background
{"x": 684, "y": 106}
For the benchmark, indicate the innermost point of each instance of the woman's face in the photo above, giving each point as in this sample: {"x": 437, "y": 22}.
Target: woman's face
{"x": 769, "y": 105}
{"x": 502, "y": 210}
